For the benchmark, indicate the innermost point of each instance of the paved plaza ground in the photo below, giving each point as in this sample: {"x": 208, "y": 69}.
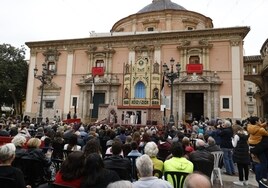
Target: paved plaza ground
{"x": 228, "y": 181}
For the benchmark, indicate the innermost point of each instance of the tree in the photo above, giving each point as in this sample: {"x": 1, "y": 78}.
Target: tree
{"x": 13, "y": 76}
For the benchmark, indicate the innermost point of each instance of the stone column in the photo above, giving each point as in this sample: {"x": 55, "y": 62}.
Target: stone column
{"x": 237, "y": 79}
{"x": 30, "y": 84}
{"x": 68, "y": 82}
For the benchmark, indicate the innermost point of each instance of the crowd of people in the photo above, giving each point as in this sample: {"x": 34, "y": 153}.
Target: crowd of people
{"x": 98, "y": 155}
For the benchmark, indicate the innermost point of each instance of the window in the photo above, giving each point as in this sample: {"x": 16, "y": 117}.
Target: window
{"x": 49, "y": 104}
{"x": 51, "y": 67}
{"x": 226, "y": 103}
{"x": 254, "y": 70}
{"x": 140, "y": 91}
{"x": 194, "y": 60}
{"x": 99, "y": 63}
{"x": 150, "y": 29}
{"x": 190, "y": 28}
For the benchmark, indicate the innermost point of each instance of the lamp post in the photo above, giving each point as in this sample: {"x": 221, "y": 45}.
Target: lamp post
{"x": 171, "y": 75}
{"x": 43, "y": 78}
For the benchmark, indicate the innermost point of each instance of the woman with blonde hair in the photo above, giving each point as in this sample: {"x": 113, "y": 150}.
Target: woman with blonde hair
{"x": 35, "y": 153}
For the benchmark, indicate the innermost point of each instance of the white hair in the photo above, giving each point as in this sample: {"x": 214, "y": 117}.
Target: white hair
{"x": 7, "y": 151}
{"x": 151, "y": 149}
{"x": 200, "y": 143}
{"x": 120, "y": 184}
{"x": 211, "y": 141}
{"x": 19, "y": 140}
{"x": 227, "y": 123}
{"x": 144, "y": 165}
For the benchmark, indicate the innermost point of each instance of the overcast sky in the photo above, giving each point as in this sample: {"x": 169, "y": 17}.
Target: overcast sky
{"x": 36, "y": 20}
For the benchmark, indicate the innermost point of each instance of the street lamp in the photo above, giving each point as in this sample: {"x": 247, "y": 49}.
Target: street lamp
{"x": 171, "y": 76}
{"x": 43, "y": 78}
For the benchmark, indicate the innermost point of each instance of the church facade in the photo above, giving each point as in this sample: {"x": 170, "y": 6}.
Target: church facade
{"x": 118, "y": 76}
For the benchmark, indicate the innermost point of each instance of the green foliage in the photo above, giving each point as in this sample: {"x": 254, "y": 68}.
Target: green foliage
{"x": 13, "y": 75}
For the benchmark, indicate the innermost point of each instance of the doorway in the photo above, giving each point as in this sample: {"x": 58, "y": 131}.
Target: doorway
{"x": 194, "y": 106}
{"x": 99, "y": 98}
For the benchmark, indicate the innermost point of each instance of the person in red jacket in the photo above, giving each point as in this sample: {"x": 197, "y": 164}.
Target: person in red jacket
{"x": 72, "y": 170}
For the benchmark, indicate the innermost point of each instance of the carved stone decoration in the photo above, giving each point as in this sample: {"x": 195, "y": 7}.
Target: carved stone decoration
{"x": 51, "y": 55}
{"x": 235, "y": 42}
{"x": 184, "y": 43}
{"x": 51, "y": 86}
{"x": 194, "y": 78}
{"x": 203, "y": 42}
{"x": 91, "y": 48}
{"x": 156, "y": 68}
{"x": 88, "y": 79}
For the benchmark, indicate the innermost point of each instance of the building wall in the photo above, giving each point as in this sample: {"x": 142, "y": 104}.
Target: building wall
{"x": 219, "y": 51}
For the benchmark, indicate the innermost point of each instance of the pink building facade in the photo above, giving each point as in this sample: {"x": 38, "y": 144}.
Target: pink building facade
{"x": 127, "y": 68}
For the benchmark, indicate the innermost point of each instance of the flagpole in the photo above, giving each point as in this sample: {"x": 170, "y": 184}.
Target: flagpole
{"x": 92, "y": 95}
{"x": 163, "y": 100}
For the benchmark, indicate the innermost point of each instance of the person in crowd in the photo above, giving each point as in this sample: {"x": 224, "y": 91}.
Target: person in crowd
{"x": 109, "y": 149}
{"x": 68, "y": 132}
{"x": 69, "y": 115}
{"x": 47, "y": 145}
{"x": 186, "y": 144}
{"x": 3, "y": 131}
{"x": 197, "y": 180}
{"x": 164, "y": 147}
{"x": 145, "y": 169}
{"x": 111, "y": 135}
{"x": 92, "y": 146}
{"x": 151, "y": 150}
{"x": 215, "y": 130}
{"x": 120, "y": 184}
{"x": 58, "y": 144}
{"x": 40, "y": 133}
{"x": 127, "y": 145}
{"x": 258, "y": 139}
{"x": 7, "y": 155}
{"x": 241, "y": 155}
{"x": 136, "y": 136}
{"x": 83, "y": 134}
{"x": 226, "y": 145}
{"x": 35, "y": 153}
{"x": 19, "y": 141}
{"x": 154, "y": 136}
{"x": 178, "y": 162}
{"x": 122, "y": 135}
{"x": 72, "y": 170}
{"x": 116, "y": 161}
{"x": 134, "y": 150}
{"x": 145, "y": 139}
{"x": 96, "y": 176}
{"x": 211, "y": 145}
{"x": 201, "y": 155}
{"x": 72, "y": 144}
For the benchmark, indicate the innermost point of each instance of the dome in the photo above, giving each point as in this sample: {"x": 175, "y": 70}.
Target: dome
{"x": 157, "y": 5}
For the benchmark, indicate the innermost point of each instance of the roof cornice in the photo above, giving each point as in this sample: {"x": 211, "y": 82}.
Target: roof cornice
{"x": 239, "y": 32}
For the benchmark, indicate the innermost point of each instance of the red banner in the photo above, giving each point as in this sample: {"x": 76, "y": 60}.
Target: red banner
{"x": 97, "y": 71}
{"x": 197, "y": 68}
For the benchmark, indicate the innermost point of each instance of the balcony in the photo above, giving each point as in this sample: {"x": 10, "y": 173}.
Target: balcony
{"x": 194, "y": 68}
{"x": 97, "y": 71}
